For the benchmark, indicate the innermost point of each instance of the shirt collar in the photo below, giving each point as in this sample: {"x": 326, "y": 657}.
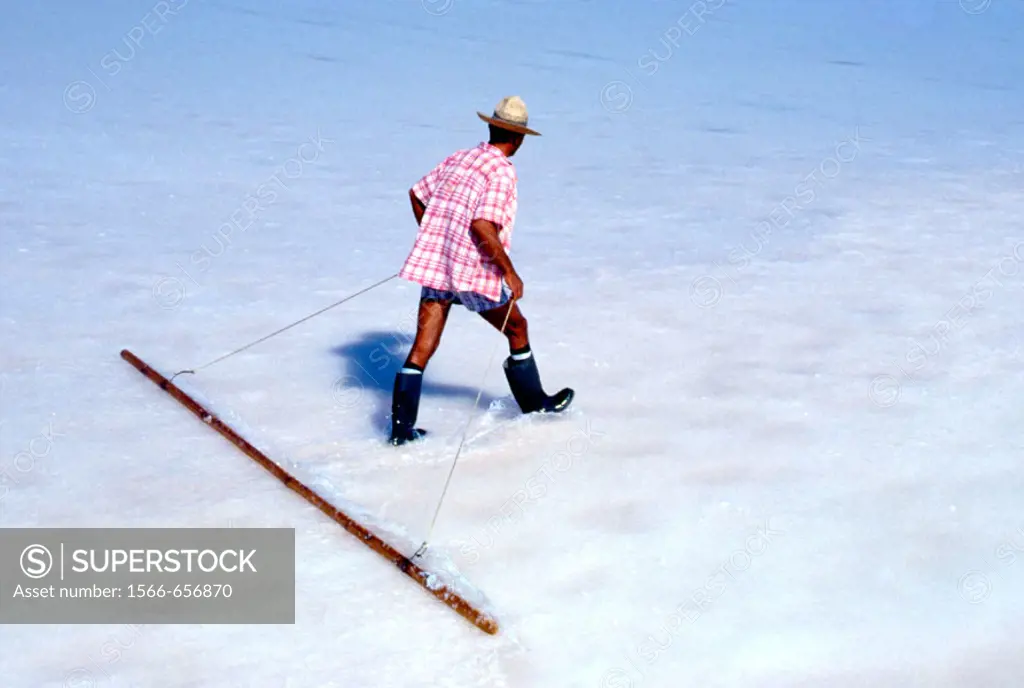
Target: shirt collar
{"x": 494, "y": 149}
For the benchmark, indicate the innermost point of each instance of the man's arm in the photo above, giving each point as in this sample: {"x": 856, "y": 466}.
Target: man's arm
{"x": 417, "y": 206}
{"x": 485, "y": 234}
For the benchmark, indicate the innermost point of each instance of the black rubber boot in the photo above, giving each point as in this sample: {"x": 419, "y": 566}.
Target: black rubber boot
{"x": 405, "y": 404}
{"x": 524, "y": 381}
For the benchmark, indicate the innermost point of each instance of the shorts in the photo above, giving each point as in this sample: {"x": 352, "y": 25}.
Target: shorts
{"x": 470, "y": 299}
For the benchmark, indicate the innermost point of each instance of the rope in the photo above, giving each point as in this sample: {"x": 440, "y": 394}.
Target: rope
{"x": 192, "y": 371}
{"x": 465, "y": 432}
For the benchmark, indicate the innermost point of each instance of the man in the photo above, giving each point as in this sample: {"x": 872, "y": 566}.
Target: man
{"x": 465, "y": 208}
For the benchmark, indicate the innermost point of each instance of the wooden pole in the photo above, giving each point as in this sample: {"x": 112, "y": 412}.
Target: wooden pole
{"x": 483, "y": 621}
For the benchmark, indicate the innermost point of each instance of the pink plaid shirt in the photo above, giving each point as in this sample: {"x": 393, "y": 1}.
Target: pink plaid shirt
{"x": 476, "y": 183}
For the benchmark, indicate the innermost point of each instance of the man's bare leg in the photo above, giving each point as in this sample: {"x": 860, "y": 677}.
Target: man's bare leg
{"x": 430, "y": 326}
{"x": 515, "y": 330}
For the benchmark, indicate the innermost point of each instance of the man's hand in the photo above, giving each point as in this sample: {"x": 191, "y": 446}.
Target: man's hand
{"x": 485, "y": 234}
{"x": 515, "y": 284}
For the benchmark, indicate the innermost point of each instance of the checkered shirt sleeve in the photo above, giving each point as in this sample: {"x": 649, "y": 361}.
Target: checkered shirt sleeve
{"x": 425, "y": 187}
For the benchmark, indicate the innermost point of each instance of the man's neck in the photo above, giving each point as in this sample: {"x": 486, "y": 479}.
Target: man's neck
{"x": 506, "y": 148}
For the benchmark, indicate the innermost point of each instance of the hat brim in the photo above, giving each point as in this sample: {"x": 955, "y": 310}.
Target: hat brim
{"x": 511, "y": 126}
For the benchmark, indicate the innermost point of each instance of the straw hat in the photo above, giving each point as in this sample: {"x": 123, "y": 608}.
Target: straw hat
{"x": 510, "y": 113}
